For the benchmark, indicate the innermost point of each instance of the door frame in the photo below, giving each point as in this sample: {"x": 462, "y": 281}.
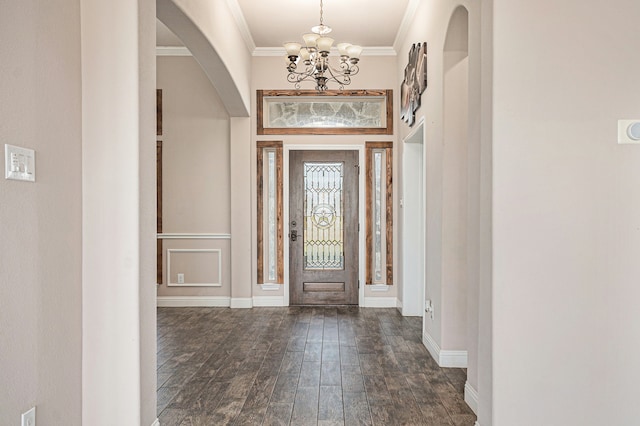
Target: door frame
{"x": 361, "y": 210}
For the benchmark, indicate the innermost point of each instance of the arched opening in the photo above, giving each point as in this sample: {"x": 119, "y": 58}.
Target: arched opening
{"x": 455, "y": 191}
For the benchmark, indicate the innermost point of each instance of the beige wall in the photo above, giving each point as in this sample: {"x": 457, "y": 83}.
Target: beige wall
{"x": 40, "y": 223}
{"x": 196, "y": 170}
{"x": 118, "y": 159}
{"x": 566, "y": 213}
{"x": 376, "y": 72}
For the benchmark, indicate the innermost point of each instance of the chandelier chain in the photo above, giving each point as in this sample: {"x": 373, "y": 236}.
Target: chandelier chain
{"x": 321, "y": 13}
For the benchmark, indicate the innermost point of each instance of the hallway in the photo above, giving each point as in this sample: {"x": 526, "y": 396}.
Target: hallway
{"x": 301, "y": 366}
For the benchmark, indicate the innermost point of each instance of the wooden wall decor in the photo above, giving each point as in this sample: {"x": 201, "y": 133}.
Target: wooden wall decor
{"x": 158, "y": 112}
{"x": 415, "y": 82}
{"x": 260, "y": 146}
{"x": 386, "y": 129}
{"x": 369, "y": 148}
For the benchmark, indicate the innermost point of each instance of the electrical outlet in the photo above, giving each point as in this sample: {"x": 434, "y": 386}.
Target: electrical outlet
{"x": 29, "y": 418}
{"x": 180, "y": 278}
{"x": 428, "y": 307}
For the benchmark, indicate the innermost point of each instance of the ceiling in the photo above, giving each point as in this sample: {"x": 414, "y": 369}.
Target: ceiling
{"x": 369, "y": 23}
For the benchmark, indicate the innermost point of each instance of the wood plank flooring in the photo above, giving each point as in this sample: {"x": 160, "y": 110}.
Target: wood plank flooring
{"x": 302, "y": 366}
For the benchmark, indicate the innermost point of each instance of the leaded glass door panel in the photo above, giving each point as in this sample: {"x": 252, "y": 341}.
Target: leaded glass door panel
{"x": 323, "y": 227}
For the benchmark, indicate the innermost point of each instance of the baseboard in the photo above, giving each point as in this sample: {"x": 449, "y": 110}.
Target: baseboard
{"x": 156, "y": 423}
{"x": 477, "y": 424}
{"x": 471, "y": 398}
{"x": 192, "y": 301}
{"x": 241, "y": 303}
{"x": 268, "y": 301}
{"x": 446, "y": 359}
{"x": 380, "y": 302}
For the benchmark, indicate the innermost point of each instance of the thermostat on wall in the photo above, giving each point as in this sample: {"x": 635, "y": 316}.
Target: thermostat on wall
{"x": 629, "y": 131}
{"x": 20, "y": 163}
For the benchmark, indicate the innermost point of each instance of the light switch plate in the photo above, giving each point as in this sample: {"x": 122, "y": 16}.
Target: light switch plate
{"x": 29, "y": 418}
{"x": 19, "y": 163}
{"x": 629, "y": 131}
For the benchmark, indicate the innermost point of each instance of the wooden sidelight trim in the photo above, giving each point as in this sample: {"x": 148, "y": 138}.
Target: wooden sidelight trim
{"x": 260, "y": 146}
{"x": 159, "y": 265}
{"x": 370, "y": 147}
{"x": 158, "y": 112}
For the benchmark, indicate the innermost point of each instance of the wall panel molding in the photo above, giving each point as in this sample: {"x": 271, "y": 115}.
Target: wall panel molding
{"x": 187, "y": 284}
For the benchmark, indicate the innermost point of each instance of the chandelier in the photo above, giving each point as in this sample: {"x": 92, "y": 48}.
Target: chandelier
{"x": 312, "y": 60}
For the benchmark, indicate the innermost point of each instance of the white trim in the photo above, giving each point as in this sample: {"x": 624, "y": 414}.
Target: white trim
{"x": 445, "y": 359}
{"x": 270, "y": 287}
{"x": 367, "y": 51}
{"x": 268, "y": 301}
{"x": 453, "y": 359}
{"x": 361, "y": 214}
{"x": 241, "y": 303}
{"x": 477, "y": 424}
{"x": 193, "y": 236}
{"x": 156, "y": 423}
{"x": 172, "y": 51}
{"x": 407, "y": 20}
{"x": 171, "y": 284}
{"x": 471, "y": 397}
{"x": 378, "y": 287}
{"x": 238, "y": 16}
{"x": 380, "y": 302}
{"x": 193, "y": 301}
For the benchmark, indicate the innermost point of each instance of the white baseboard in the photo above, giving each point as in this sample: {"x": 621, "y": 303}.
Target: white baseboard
{"x": 477, "y": 424}
{"x": 241, "y": 303}
{"x": 446, "y": 359}
{"x": 268, "y": 301}
{"x": 471, "y": 398}
{"x": 380, "y": 302}
{"x": 156, "y": 423}
{"x": 193, "y": 301}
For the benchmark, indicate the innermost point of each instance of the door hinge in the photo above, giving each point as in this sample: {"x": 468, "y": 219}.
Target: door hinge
{"x": 358, "y": 169}
{"x": 358, "y": 284}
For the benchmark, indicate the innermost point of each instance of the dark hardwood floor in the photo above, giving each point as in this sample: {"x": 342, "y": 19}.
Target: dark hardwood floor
{"x": 301, "y": 366}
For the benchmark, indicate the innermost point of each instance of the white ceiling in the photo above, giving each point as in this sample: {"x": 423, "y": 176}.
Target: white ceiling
{"x": 369, "y": 23}
{"x": 363, "y": 22}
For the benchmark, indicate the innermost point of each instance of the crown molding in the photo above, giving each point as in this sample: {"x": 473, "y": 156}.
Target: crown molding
{"x": 172, "y": 51}
{"x": 236, "y": 11}
{"x": 367, "y": 51}
{"x": 409, "y": 14}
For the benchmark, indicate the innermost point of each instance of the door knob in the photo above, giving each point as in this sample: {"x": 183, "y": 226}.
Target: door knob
{"x": 294, "y": 235}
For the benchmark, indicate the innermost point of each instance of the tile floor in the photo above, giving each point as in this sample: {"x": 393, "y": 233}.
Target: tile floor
{"x": 301, "y": 366}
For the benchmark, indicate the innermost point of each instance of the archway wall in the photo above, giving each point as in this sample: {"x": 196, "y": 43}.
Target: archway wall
{"x": 209, "y": 31}
{"x": 457, "y": 167}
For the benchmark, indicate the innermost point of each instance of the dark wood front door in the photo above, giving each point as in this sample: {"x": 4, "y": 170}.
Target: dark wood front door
{"x": 323, "y": 227}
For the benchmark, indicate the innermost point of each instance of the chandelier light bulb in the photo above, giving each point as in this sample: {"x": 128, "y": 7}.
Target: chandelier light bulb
{"x": 311, "y": 39}
{"x": 292, "y": 48}
{"x": 343, "y": 47}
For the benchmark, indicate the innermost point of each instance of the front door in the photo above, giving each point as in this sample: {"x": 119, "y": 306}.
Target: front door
{"x": 323, "y": 227}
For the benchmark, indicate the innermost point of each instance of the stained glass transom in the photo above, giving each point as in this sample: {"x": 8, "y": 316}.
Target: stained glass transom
{"x": 358, "y": 113}
{"x": 323, "y": 216}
